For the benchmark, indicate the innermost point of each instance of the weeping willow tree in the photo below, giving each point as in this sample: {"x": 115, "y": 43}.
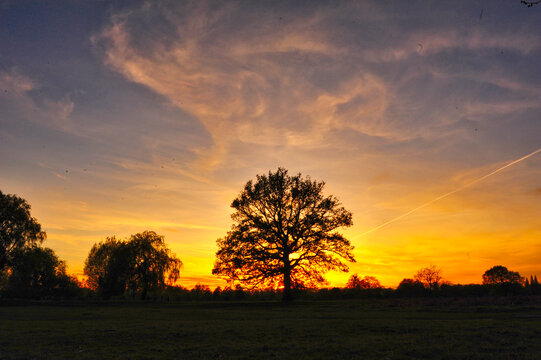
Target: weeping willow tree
{"x": 139, "y": 264}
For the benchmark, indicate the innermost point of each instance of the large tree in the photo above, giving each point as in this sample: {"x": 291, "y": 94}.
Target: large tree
{"x": 154, "y": 265}
{"x": 108, "y": 267}
{"x": 17, "y": 227}
{"x": 284, "y": 234}
{"x": 140, "y": 264}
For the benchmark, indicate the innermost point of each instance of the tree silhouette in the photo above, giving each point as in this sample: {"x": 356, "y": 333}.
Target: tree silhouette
{"x": 153, "y": 263}
{"x": 532, "y": 285}
{"x": 283, "y": 234}
{"x": 430, "y": 277}
{"x": 17, "y": 227}
{"x": 500, "y": 275}
{"x": 140, "y": 264}
{"x": 36, "y": 271}
{"x": 368, "y": 282}
{"x": 108, "y": 267}
{"x": 410, "y": 287}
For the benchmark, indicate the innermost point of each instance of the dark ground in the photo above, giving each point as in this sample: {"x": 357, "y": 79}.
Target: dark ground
{"x": 342, "y": 329}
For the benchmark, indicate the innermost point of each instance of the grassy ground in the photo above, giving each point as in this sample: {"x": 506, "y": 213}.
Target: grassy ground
{"x": 312, "y": 330}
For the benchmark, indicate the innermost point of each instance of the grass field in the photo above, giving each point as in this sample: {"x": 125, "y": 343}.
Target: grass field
{"x": 352, "y": 329}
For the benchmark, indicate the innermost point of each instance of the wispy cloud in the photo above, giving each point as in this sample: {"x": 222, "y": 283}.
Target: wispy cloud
{"x": 13, "y": 82}
{"x": 24, "y": 96}
{"x": 168, "y": 108}
{"x": 262, "y": 80}
{"x": 250, "y": 84}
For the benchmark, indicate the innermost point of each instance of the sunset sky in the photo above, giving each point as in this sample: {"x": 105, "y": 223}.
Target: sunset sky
{"x": 119, "y": 117}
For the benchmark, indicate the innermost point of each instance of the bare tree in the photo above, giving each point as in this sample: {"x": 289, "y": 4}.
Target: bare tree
{"x": 430, "y": 277}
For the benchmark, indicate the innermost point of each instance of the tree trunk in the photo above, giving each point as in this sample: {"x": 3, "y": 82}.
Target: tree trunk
{"x": 144, "y": 293}
{"x": 287, "y": 297}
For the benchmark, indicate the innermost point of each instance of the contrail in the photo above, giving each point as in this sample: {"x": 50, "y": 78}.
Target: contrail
{"x": 450, "y": 193}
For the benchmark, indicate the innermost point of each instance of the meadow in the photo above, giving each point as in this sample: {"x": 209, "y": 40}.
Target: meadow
{"x": 338, "y": 329}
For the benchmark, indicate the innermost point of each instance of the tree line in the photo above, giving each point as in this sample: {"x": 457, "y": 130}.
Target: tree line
{"x": 283, "y": 239}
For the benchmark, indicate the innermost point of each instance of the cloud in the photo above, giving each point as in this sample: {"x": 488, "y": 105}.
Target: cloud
{"x": 421, "y": 43}
{"x": 24, "y": 97}
{"x": 13, "y": 82}
{"x": 391, "y": 104}
{"x": 247, "y": 82}
{"x": 292, "y": 81}
{"x": 363, "y": 83}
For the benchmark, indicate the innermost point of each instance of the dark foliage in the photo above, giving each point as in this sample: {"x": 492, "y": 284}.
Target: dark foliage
{"x": 463, "y": 291}
{"x": 498, "y": 275}
{"x": 17, "y": 228}
{"x": 138, "y": 265}
{"x": 532, "y": 286}
{"x": 411, "y": 288}
{"x": 37, "y": 273}
{"x": 430, "y": 277}
{"x": 108, "y": 267}
{"x": 284, "y": 235}
{"x": 368, "y": 282}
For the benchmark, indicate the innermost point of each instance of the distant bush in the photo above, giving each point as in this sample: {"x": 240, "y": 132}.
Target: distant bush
{"x": 411, "y": 288}
{"x": 470, "y": 290}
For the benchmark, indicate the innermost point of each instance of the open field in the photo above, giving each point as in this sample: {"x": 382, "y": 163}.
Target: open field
{"x": 356, "y": 329}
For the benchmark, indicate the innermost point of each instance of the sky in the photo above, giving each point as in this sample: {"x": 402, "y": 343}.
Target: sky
{"x": 123, "y": 116}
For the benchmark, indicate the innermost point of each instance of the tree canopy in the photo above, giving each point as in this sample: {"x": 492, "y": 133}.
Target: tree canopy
{"x": 500, "y": 275}
{"x": 367, "y": 282}
{"x": 284, "y": 234}
{"x": 36, "y": 271}
{"x": 108, "y": 267}
{"x": 17, "y": 227}
{"x": 430, "y": 277}
{"x": 411, "y": 287}
{"x": 140, "y": 264}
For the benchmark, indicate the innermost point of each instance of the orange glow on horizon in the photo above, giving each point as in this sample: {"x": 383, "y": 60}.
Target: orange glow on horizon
{"x": 425, "y": 131}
